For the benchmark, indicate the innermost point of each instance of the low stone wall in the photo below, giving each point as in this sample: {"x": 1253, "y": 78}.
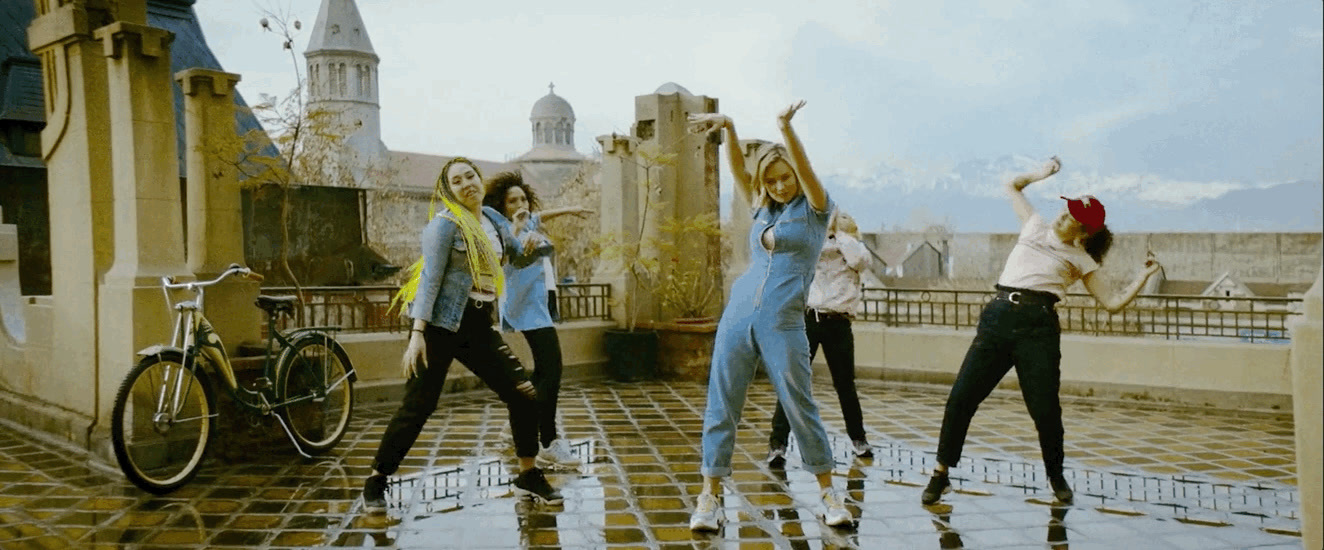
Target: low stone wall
{"x": 376, "y": 357}
{"x": 1226, "y": 375}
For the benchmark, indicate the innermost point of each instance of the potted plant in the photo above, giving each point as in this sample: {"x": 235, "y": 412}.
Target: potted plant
{"x": 691, "y": 291}
{"x": 632, "y": 350}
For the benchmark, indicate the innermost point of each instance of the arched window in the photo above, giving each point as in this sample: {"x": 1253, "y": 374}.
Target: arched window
{"x": 358, "y": 81}
{"x": 312, "y": 80}
{"x": 367, "y": 81}
{"x": 537, "y": 129}
{"x": 547, "y": 134}
{"x": 343, "y": 84}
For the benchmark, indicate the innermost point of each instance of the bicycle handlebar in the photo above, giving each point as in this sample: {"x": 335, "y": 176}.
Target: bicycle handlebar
{"x": 235, "y": 269}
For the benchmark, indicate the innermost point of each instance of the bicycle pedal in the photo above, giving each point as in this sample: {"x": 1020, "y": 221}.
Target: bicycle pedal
{"x": 262, "y": 383}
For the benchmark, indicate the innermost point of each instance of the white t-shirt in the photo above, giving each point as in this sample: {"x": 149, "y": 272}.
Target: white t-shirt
{"x": 1041, "y": 261}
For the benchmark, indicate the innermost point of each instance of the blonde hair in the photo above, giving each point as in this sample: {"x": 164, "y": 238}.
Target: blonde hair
{"x": 482, "y": 258}
{"x": 766, "y": 154}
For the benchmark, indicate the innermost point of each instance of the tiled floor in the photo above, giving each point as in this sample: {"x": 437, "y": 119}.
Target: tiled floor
{"x": 1145, "y": 477}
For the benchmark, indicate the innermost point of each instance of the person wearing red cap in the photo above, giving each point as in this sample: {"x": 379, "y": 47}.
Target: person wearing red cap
{"x": 1019, "y": 327}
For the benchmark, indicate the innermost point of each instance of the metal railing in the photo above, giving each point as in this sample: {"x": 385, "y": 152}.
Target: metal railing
{"x": 1174, "y": 317}
{"x": 364, "y": 308}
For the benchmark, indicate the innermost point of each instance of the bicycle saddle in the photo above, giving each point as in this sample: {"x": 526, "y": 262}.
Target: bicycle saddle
{"x": 277, "y": 304}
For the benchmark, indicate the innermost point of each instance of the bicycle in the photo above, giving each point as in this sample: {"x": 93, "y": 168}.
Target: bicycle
{"x": 165, "y": 410}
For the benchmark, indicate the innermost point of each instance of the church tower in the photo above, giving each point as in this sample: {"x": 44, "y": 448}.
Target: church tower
{"x": 552, "y": 160}
{"x": 342, "y": 77}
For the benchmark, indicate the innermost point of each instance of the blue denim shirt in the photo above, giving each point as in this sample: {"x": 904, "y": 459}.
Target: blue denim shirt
{"x": 443, "y": 288}
{"x": 524, "y": 305}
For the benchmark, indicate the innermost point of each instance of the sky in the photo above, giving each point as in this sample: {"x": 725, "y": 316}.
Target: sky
{"x": 1188, "y": 97}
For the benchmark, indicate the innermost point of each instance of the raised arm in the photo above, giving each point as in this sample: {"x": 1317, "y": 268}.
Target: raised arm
{"x": 556, "y": 212}
{"x": 1115, "y": 303}
{"x": 1024, "y": 211}
{"x": 708, "y": 122}
{"x": 813, "y": 189}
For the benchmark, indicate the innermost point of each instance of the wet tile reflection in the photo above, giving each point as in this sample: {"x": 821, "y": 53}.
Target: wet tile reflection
{"x": 1144, "y": 478}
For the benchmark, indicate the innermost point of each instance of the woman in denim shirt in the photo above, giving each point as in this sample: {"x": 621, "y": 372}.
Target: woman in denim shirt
{"x": 454, "y": 312}
{"x": 525, "y": 307}
{"x": 764, "y": 317}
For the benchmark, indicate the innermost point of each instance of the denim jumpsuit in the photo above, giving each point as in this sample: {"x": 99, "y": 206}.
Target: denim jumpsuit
{"x": 764, "y": 320}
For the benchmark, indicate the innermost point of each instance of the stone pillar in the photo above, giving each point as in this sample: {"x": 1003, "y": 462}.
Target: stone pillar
{"x": 77, "y": 157}
{"x": 689, "y": 184}
{"x": 1308, "y": 409}
{"x": 148, "y": 229}
{"x": 215, "y": 237}
{"x": 618, "y": 213}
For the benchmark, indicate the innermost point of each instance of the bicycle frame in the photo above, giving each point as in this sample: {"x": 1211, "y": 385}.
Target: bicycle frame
{"x": 199, "y": 339}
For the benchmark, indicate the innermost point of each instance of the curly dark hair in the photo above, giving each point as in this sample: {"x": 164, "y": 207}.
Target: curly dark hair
{"x": 500, "y": 184}
{"x": 1097, "y": 245}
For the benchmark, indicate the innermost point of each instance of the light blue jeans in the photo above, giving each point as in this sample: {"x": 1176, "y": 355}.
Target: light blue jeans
{"x": 784, "y": 351}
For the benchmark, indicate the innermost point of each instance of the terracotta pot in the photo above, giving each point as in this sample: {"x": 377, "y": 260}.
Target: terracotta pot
{"x": 685, "y": 349}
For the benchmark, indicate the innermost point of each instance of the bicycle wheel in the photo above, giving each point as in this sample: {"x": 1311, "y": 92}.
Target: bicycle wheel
{"x": 315, "y": 378}
{"x": 162, "y": 421}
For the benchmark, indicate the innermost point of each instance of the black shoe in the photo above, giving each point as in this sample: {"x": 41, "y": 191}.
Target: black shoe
{"x": 1061, "y": 489}
{"x": 862, "y": 448}
{"x": 374, "y": 494}
{"x": 777, "y": 458}
{"x": 938, "y": 484}
{"x": 534, "y": 483}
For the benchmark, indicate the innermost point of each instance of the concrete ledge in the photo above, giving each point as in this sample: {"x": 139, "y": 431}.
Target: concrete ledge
{"x": 63, "y": 425}
{"x": 1226, "y": 375}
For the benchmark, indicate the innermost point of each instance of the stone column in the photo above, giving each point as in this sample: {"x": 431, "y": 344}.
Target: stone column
{"x": 76, "y": 152}
{"x": 149, "y": 240}
{"x": 618, "y": 214}
{"x": 215, "y": 229}
{"x": 1308, "y": 409}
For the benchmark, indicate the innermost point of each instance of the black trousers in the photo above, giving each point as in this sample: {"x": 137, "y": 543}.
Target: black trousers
{"x": 479, "y": 347}
{"x": 546, "y": 348}
{"x": 834, "y": 334}
{"x": 1027, "y": 336}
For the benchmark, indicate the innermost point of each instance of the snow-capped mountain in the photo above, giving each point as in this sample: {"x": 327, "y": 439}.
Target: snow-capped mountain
{"x": 969, "y": 197}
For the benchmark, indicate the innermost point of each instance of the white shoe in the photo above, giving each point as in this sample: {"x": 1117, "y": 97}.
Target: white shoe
{"x": 707, "y": 515}
{"x": 834, "y": 508}
{"x": 558, "y": 455}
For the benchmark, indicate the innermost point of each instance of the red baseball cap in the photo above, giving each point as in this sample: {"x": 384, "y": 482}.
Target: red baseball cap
{"x": 1088, "y": 211}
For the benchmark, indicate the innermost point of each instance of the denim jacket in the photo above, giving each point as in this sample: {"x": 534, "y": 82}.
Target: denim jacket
{"x": 443, "y": 288}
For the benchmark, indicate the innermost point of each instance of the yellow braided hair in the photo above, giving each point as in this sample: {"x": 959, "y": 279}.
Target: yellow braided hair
{"x": 483, "y": 260}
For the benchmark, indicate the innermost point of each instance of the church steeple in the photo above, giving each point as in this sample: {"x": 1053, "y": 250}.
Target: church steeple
{"x": 339, "y": 27}
{"x": 342, "y": 74}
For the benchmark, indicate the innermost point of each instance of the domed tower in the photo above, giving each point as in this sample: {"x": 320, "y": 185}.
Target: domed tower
{"x": 342, "y": 76}
{"x": 553, "y": 159}
{"x": 553, "y": 122}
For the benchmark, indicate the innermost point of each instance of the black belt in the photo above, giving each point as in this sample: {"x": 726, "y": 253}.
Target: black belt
{"x": 819, "y": 314}
{"x": 1021, "y": 296}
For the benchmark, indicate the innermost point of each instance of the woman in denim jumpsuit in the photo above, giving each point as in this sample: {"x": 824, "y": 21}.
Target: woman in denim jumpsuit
{"x": 764, "y": 317}
{"x": 1020, "y": 328}
{"x": 454, "y": 317}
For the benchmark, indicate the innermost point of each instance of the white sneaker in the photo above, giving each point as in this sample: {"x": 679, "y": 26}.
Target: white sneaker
{"x": 558, "y": 455}
{"x": 834, "y": 508}
{"x": 707, "y": 515}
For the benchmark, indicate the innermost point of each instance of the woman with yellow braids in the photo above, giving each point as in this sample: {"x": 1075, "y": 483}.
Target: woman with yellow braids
{"x": 453, "y": 304}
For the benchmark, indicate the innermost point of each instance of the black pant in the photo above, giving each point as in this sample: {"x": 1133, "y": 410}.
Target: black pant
{"x": 546, "y": 378}
{"x": 477, "y": 345}
{"x": 838, "y": 342}
{"x": 1027, "y": 336}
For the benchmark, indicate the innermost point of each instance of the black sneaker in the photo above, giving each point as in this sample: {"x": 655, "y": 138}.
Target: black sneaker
{"x": 938, "y": 484}
{"x": 1061, "y": 489}
{"x": 777, "y": 458}
{"x": 532, "y": 482}
{"x": 374, "y": 494}
{"x": 862, "y": 448}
